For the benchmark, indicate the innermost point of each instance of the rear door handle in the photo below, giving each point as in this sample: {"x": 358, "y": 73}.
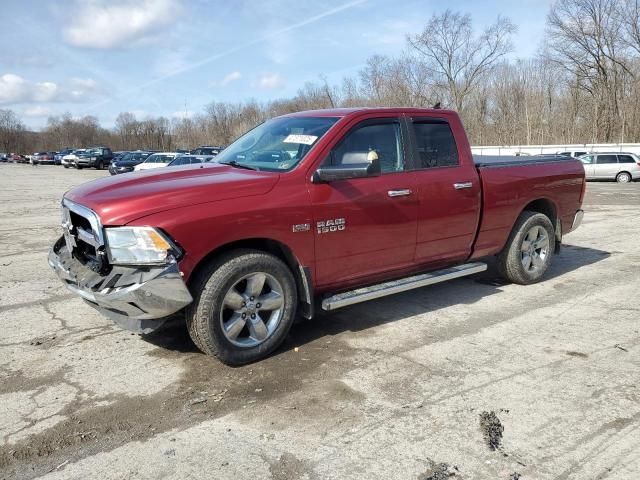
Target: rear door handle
{"x": 460, "y": 186}
{"x": 399, "y": 193}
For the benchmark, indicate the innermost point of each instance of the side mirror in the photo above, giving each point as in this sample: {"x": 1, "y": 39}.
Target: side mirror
{"x": 354, "y": 165}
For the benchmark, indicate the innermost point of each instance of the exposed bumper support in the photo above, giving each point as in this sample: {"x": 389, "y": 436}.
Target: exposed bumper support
{"x": 137, "y": 299}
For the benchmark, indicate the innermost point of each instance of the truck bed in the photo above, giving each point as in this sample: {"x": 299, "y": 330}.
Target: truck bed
{"x": 513, "y": 160}
{"x": 507, "y": 184}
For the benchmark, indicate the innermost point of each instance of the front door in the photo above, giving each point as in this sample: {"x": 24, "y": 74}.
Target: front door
{"x": 365, "y": 226}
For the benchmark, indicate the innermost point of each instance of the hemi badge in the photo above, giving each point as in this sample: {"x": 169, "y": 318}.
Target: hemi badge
{"x": 301, "y": 227}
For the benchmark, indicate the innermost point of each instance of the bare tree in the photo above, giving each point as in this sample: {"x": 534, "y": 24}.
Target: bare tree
{"x": 456, "y": 57}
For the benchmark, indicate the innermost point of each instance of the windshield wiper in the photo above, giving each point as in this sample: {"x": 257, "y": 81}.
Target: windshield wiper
{"x": 234, "y": 163}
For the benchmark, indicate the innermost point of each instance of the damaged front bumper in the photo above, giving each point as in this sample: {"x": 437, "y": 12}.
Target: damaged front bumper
{"x": 138, "y": 299}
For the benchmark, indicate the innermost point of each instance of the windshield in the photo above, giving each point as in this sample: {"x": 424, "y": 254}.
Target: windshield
{"x": 134, "y": 157}
{"x": 276, "y": 145}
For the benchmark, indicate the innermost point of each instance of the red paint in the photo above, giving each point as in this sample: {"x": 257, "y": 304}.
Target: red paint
{"x": 206, "y": 207}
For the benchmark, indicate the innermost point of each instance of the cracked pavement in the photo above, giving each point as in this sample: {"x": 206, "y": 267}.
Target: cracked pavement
{"x": 391, "y": 389}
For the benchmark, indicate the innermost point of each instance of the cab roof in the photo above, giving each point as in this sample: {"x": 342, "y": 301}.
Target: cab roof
{"x": 345, "y": 112}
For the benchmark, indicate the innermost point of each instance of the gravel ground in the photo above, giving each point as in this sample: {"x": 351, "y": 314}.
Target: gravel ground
{"x": 423, "y": 384}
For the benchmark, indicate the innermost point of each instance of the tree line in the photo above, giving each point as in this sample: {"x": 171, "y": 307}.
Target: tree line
{"x": 583, "y": 86}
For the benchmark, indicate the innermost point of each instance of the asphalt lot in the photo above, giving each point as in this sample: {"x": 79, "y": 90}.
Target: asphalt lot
{"x": 390, "y": 389}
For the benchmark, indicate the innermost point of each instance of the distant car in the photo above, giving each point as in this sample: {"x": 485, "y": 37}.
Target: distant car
{"x": 4, "y": 157}
{"x": 58, "y": 156}
{"x": 94, "y": 157}
{"x": 43, "y": 158}
{"x": 190, "y": 159}
{"x": 69, "y": 159}
{"x": 573, "y": 153}
{"x": 156, "y": 160}
{"x": 127, "y": 162}
{"x": 621, "y": 167}
{"x": 17, "y": 158}
{"x": 207, "y": 150}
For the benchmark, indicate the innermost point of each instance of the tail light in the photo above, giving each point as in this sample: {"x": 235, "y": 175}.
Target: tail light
{"x": 584, "y": 188}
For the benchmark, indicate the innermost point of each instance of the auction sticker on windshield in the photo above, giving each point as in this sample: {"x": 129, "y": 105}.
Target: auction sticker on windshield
{"x": 303, "y": 139}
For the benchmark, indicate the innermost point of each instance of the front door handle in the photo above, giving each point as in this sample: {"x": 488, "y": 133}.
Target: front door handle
{"x": 399, "y": 193}
{"x": 460, "y": 186}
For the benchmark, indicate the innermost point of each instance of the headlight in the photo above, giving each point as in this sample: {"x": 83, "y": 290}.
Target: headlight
{"x": 137, "y": 246}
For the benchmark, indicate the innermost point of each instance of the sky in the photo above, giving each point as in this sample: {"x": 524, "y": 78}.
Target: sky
{"x": 172, "y": 57}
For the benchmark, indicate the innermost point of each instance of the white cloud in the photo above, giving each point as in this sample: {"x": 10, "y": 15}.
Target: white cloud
{"x": 107, "y": 24}
{"x": 229, "y": 78}
{"x": 37, "y": 111}
{"x": 183, "y": 114}
{"x": 269, "y": 81}
{"x": 15, "y": 89}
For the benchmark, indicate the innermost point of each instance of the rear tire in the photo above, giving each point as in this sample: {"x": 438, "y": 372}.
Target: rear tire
{"x": 66, "y": 166}
{"x": 226, "y": 318}
{"x": 100, "y": 165}
{"x": 623, "y": 177}
{"x": 529, "y": 250}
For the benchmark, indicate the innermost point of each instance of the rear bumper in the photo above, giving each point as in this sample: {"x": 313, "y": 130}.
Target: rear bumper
{"x": 136, "y": 299}
{"x": 577, "y": 219}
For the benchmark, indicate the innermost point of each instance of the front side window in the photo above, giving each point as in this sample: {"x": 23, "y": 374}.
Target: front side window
{"x": 587, "y": 160}
{"x": 579, "y": 154}
{"x": 606, "y": 159}
{"x": 276, "y": 145}
{"x": 436, "y": 145}
{"x": 383, "y": 138}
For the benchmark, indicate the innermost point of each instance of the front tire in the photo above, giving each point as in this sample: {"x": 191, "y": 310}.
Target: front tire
{"x": 529, "y": 250}
{"x": 244, "y": 306}
{"x": 623, "y": 177}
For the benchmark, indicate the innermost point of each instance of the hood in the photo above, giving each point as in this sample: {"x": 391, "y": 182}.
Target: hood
{"x": 121, "y": 199}
{"x": 127, "y": 163}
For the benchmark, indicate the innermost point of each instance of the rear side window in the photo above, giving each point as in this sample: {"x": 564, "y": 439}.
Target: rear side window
{"x": 436, "y": 145}
{"x": 606, "y": 159}
{"x": 626, "y": 159}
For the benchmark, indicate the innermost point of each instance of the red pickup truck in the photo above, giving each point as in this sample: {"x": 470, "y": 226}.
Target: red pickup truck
{"x": 314, "y": 209}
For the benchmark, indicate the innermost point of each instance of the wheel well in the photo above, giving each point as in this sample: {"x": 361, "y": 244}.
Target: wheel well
{"x": 278, "y": 249}
{"x": 544, "y": 206}
{"x": 623, "y": 171}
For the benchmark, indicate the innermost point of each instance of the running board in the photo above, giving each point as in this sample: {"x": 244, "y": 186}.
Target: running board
{"x": 396, "y": 286}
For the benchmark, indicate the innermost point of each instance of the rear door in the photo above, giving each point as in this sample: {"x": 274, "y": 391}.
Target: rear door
{"x": 448, "y": 193}
{"x": 606, "y": 166}
{"x": 365, "y": 226}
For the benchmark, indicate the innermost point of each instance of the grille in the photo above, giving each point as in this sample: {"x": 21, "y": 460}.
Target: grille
{"x": 83, "y": 235}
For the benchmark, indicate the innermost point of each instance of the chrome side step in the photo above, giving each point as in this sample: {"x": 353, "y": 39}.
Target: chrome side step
{"x": 396, "y": 286}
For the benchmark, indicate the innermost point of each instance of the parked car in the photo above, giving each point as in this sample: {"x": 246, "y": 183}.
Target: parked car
{"x": 93, "y": 157}
{"x": 4, "y": 157}
{"x": 207, "y": 150}
{"x": 190, "y": 159}
{"x": 621, "y": 167}
{"x": 58, "y": 156}
{"x": 127, "y": 162}
{"x": 17, "y": 158}
{"x": 69, "y": 159}
{"x": 573, "y": 153}
{"x": 43, "y": 158}
{"x": 156, "y": 160}
{"x": 389, "y": 199}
